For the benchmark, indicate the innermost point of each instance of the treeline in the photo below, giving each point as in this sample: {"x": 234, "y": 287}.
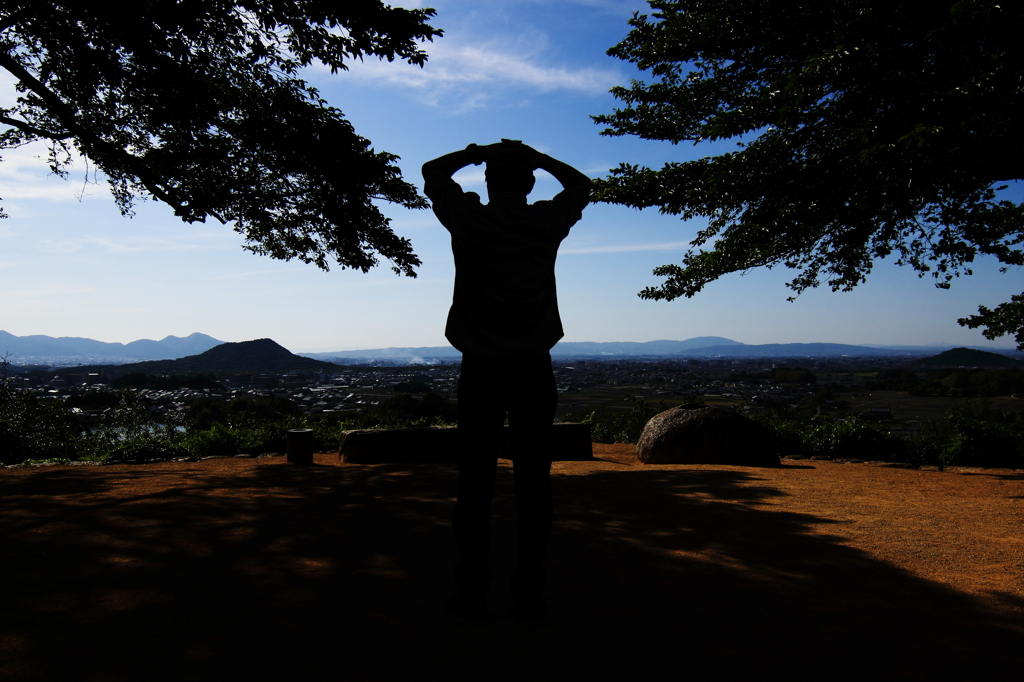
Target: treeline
{"x": 950, "y": 382}
{"x": 34, "y": 429}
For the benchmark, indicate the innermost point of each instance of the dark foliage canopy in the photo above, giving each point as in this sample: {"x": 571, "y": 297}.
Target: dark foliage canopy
{"x": 865, "y": 128}
{"x": 197, "y": 103}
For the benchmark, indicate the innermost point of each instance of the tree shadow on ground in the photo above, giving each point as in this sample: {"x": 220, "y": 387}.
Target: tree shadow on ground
{"x": 280, "y": 571}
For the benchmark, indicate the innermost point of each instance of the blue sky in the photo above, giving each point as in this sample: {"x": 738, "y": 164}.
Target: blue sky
{"x": 533, "y": 70}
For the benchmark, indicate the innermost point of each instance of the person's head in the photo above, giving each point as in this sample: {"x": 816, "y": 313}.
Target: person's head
{"x": 509, "y": 175}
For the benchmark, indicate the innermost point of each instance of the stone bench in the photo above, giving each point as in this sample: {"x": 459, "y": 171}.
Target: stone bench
{"x": 438, "y": 444}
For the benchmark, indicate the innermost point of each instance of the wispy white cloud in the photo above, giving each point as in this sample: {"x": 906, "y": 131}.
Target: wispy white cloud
{"x": 626, "y": 248}
{"x": 472, "y": 102}
{"x": 491, "y": 64}
{"x": 473, "y": 72}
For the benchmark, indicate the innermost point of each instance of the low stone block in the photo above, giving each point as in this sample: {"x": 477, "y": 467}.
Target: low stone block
{"x": 438, "y": 444}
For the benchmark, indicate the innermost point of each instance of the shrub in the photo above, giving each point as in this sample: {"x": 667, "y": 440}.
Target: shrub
{"x": 326, "y": 432}
{"x": 853, "y": 439}
{"x": 217, "y": 441}
{"x": 130, "y": 419}
{"x": 616, "y": 426}
{"x": 789, "y": 435}
{"x": 827, "y": 437}
{"x": 973, "y": 434}
{"x": 36, "y": 429}
{"x": 261, "y": 438}
{"x": 146, "y": 448}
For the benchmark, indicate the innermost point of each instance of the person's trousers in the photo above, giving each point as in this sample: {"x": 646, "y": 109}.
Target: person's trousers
{"x": 492, "y": 390}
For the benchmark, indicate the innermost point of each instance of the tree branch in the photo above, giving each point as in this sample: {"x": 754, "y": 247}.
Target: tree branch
{"x": 63, "y": 112}
{"x": 38, "y": 132}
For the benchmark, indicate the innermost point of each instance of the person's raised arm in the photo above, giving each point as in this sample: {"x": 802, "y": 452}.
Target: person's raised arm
{"x": 565, "y": 174}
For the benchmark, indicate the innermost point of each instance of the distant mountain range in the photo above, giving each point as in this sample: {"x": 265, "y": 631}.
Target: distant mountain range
{"x": 75, "y": 350}
{"x": 697, "y": 347}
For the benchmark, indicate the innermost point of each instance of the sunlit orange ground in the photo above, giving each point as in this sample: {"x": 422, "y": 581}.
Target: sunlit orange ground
{"x": 253, "y": 569}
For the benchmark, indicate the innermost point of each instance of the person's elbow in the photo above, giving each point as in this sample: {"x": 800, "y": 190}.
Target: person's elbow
{"x": 583, "y": 184}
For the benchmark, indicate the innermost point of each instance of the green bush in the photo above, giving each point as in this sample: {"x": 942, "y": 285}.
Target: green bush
{"x": 973, "y": 434}
{"x": 789, "y": 434}
{"x": 34, "y": 429}
{"x": 147, "y": 448}
{"x": 262, "y": 438}
{"x": 853, "y": 439}
{"x": 827, "y": 437}
{"x": 608, "y": 425}
{"x": 216, "y": 441}
{"x": 326, "y": 432}
{"x": 130, "y": 419}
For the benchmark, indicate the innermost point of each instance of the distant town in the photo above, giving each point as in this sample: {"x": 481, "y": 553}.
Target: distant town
{"x": 586, "y": 383}
{"x": 800, "y": 378}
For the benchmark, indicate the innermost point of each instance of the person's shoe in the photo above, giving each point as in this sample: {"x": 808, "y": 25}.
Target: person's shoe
{"x": 470, "y": 607}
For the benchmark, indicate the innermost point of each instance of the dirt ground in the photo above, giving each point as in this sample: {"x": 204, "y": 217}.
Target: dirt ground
{"x": 253, "y": 569}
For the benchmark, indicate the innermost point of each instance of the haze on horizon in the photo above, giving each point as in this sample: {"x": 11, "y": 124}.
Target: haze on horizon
{"x": 71, "y": 265}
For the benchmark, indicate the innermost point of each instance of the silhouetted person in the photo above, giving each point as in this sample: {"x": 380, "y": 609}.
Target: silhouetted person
{"x": 504, "y": 319}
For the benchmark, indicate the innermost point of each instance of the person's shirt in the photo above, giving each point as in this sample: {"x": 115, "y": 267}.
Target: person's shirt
{"x": 504, "y": 302}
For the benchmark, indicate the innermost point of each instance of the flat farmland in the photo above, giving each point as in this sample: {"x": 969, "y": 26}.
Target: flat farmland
{"x": 625, "y": 397}
{"x": 906, "y": 406}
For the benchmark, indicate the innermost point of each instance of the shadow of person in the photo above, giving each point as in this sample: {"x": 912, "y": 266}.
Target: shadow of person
{"x": 263, "y": 570}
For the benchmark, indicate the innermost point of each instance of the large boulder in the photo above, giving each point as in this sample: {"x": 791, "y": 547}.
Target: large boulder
{"x": 706, "y": 435}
